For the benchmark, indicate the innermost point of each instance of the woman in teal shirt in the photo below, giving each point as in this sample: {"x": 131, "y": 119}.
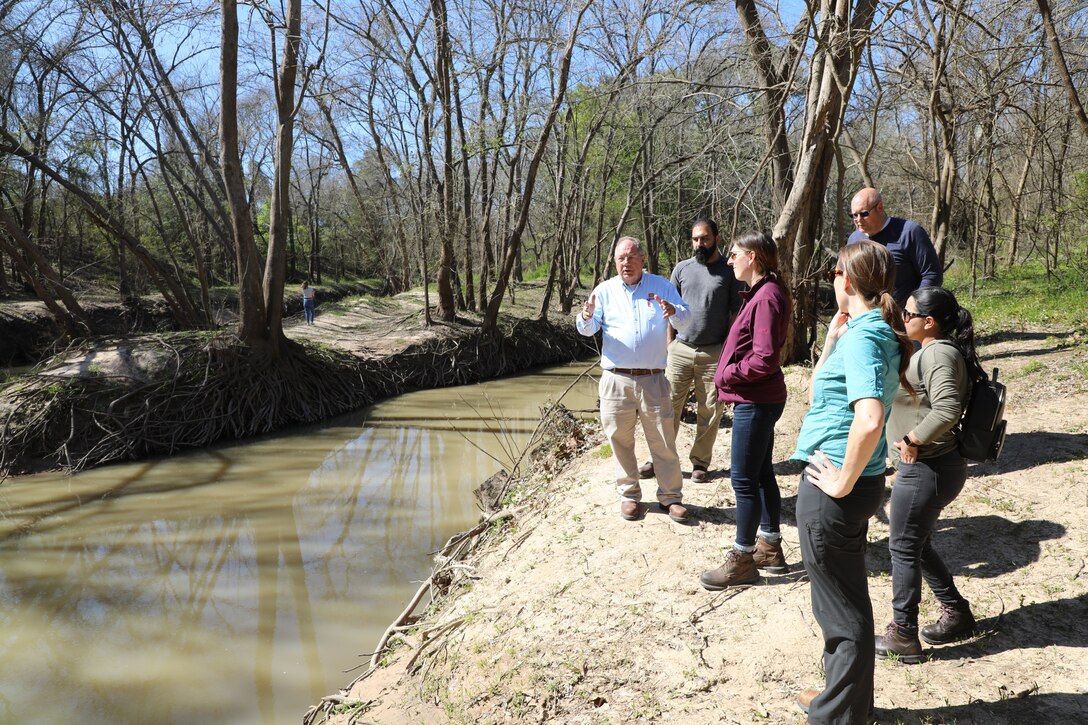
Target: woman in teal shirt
{"x": 853, "y": 385}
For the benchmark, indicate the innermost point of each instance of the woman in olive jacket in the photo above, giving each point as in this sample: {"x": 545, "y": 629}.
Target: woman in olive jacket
{"x": 931, "y": 471}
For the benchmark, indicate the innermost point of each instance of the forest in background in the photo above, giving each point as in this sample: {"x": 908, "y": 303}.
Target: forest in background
{"x": 175, "y": 147}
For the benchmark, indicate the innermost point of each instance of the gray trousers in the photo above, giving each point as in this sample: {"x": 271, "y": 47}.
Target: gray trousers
{"x": 832, "y": 535}
{"x": 920, "y": 492}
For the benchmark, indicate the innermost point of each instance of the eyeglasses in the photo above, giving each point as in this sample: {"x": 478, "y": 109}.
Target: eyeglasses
{"x": 833, "y": 273}
{"x": 737, "y": 252}
{"x": 908, "y": 315}
{"x": 864, "y": 213}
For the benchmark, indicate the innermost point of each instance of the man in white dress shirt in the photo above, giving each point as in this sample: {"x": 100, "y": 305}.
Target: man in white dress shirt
{"x": 634, "y": 310}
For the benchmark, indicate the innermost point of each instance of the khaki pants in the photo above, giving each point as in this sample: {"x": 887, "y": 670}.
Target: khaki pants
{"x": 695, "y": 367}
{"x": 626, "y": 400}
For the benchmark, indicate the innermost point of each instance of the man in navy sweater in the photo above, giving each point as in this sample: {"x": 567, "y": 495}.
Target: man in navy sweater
{"x": 916, "y": 261}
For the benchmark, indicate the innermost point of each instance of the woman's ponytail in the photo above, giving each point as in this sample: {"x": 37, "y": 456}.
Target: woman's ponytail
{"x": 893, "y": 315}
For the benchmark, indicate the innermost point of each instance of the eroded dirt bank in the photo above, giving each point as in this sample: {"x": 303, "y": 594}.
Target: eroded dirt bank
{"x": 572, "y": 615}
{"x": 115, "y": 400}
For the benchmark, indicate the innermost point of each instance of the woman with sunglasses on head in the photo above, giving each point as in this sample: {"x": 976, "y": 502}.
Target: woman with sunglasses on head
{"x": 750, "y": 376}
{"x": 854, "y": 382}
{"x": 931, "y": 471}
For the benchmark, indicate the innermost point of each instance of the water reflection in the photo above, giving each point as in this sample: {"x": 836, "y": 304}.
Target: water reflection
{"x": 237, "y": 585}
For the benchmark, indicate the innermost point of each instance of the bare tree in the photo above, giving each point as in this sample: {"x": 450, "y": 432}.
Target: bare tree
{"x": 1063, "y": 68}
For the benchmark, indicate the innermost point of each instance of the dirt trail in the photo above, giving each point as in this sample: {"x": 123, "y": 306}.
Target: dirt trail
{"x": 576, "y": 616}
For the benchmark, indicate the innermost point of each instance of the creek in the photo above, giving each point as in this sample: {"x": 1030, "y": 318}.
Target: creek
{"x": 241, "y": 584}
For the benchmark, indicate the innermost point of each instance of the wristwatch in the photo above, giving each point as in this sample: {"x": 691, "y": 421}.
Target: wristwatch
{"x": 909, "y": 442}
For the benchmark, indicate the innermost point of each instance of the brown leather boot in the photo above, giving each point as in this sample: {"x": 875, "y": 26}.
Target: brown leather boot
{"x": 956, "y": 622}
{"x": 769, "y": 556}
{"x": 739, "y": 568}
{"x": 901, "y": 644}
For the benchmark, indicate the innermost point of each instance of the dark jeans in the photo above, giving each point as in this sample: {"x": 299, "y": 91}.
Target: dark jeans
{"x": 759, "y": 500}
{"x": 832, "y": 533}
{"x": 920, "y": 492}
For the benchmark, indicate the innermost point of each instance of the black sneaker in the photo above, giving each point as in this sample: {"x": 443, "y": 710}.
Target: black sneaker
{"x": 956, "y": 622}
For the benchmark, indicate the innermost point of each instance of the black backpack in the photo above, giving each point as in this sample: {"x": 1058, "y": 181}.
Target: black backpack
{"x": 981, "y": 435}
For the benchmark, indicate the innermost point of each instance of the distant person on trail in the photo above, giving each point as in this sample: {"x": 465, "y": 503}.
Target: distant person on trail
{"x": 633, "y": 310}
{"x": 749, "y": 375}
{"x": 707, "y": 285}
{"x": 916, "y": 261}
{"x": 931, "y": 471}
{"x": 854, "y": 383}
{"x": 308, "y": 302}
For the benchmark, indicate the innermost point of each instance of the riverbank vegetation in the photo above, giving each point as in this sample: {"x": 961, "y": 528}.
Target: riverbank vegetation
{"x": 127, "y": 399}
{"x": 468, "y": 146}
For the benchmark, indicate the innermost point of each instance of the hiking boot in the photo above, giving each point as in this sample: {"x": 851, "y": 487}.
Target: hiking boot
{"x": 698, "y": 474}
{"x": 956, "y": 622}
{"x": 901, "y": 644}
{"x": 630, "y": 510}
{"x": 806, "y": 697}
{"x": 739, "y": 568}
{"x": 769, "y": 556}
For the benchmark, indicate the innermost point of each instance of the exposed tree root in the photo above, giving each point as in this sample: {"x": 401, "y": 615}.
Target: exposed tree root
{"x": 206, "y": 388}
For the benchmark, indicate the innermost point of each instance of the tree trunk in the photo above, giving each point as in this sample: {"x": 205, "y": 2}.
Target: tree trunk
{"x": 841, "y": 38}
{"x": 71, "y": 317}
{"x": 252, "y": 327}
{"x": 776, "y": 79}
{"x": 447, "y": 309}
{"x": 1063, "y": 68}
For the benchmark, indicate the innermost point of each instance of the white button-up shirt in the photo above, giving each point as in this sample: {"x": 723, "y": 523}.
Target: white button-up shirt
{"x": 634, "y": 327}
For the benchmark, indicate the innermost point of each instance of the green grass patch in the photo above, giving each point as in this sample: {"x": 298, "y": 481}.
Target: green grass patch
{"x": 1024, "y": 296}
{"x": 1033, "y": 367}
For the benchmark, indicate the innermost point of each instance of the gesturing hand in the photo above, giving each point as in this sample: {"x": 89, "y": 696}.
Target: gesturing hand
{"x": 667, "y": 310}
{"x": 588, "y": 307}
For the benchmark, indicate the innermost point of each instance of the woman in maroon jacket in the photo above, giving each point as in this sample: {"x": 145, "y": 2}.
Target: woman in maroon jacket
{"x": 750, "y": 376}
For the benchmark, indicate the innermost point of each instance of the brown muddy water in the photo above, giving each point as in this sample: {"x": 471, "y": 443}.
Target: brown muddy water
{"x": 240, "y": 584}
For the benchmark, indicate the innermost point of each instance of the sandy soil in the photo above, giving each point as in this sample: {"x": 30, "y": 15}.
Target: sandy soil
{"x": 574, "y": 615}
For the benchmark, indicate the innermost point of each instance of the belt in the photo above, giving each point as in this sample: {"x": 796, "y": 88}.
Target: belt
{"x": 638, "y": 371}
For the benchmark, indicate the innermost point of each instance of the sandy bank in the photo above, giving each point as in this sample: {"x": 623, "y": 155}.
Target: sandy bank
{"x": 569, "y": 614}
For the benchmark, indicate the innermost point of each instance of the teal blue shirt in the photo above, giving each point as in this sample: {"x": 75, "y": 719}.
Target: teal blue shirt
{"x": 863, "y": 364}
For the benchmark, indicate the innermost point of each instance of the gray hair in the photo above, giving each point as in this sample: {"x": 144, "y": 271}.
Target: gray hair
{"x": 632, "y": 240}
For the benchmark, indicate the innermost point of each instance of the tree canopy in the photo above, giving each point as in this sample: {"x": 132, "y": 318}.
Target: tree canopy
{"x": 477, "y": 145}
